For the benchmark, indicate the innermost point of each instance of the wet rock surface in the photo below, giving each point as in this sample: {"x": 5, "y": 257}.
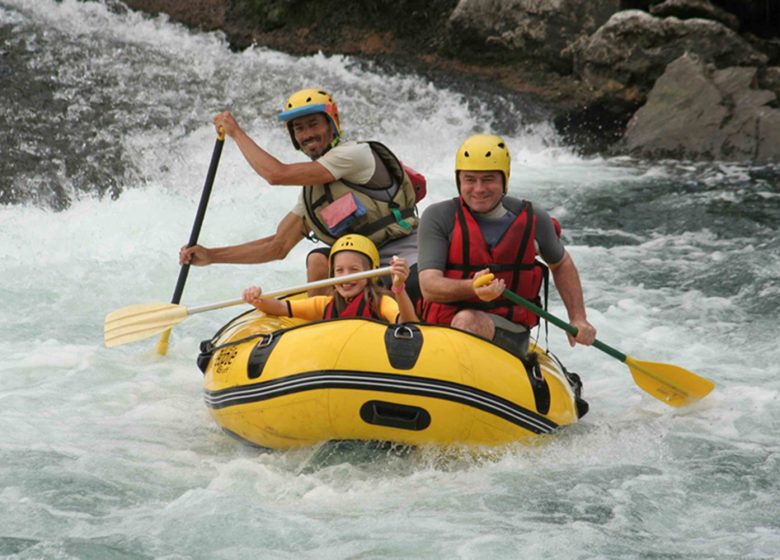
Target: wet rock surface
{"x": 696, "y": 111}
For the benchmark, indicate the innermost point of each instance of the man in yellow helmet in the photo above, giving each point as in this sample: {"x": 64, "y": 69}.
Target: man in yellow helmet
{"x": 482, "y": 231}
{"x": 348, "y": 187}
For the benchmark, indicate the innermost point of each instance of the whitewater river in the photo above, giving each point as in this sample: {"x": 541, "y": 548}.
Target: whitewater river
{"x": 111, "y": 454}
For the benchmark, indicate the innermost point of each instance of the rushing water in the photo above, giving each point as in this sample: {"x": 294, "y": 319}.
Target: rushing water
{"x": 112, "y": 454}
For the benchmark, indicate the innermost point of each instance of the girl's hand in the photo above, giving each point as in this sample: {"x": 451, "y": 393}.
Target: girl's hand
{"x": 252, "y": 295}
{"x": 400, "y": 271}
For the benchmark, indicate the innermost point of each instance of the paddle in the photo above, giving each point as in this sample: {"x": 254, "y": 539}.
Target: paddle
{"x": 140, "y": 321}
{"x": 671, "y": 384}
{"x": 162, "y": 344}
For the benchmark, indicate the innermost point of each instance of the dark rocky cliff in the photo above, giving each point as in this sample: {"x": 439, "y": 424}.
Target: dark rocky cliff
{"x": 591, "y": 63}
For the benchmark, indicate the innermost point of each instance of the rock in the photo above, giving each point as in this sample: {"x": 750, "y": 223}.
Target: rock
{"x": 530, "y": 30}
{"x": 633, "y": 48}
{"x": 688, "y": 9}
{"x": 770, "y": 47}
{"x": 582, "y": 62}
{"x": 203, "y": 14}
{"x": 769, "y": 133}
{"x": 769, "y": 78}
{"x": 696, "y": 111}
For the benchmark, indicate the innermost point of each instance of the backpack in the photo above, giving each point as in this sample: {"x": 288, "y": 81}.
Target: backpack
{"x": 418, "y": 182}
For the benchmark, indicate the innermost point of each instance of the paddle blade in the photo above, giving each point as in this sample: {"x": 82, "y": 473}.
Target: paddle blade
{"x": 162, "y": 344}
{"x": 671, "y": 384}
{"x": 137, "y": 322}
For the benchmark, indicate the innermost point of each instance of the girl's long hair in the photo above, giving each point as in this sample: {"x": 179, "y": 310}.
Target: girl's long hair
{"x": 372, "y": 293}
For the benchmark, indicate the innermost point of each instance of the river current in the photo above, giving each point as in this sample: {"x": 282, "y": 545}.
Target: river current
{"x": 111, "y": 454}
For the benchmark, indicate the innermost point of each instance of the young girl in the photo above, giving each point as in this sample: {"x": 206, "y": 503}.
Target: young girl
{"x": 350, "y": 254}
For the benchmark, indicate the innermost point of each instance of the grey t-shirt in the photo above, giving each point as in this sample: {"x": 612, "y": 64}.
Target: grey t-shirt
{"x": 438, "y": 222}
{"x": 404, "y": 247}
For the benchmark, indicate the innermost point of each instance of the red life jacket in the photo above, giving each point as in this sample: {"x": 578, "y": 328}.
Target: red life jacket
{"x": 358, "y": 307}
{"x": 513, "y": 259}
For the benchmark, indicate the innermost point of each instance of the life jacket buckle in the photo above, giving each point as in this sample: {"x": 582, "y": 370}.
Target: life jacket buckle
{"x": 399, "y": 218}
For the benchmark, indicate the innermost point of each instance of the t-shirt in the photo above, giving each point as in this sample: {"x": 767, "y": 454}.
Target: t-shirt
{"x": 353, "y": 161}
{"x": 313, "y": 308}
{"x": 438, "y": 221}
{"x": 404, "y": 247}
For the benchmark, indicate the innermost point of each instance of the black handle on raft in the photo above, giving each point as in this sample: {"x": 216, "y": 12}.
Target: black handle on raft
{"x": 394, "y": 415}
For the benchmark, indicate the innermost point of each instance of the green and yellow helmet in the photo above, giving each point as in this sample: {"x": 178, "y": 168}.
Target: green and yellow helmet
{"x": 308, "y": 102}
{"x": 483, "y": 152}
{"x": 357, "y": 243}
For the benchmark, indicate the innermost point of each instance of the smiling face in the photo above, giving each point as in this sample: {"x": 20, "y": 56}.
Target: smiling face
{"x": 313, "y": 134}
{"x": 350, "y": 262}
{"x": 481, "y": 190}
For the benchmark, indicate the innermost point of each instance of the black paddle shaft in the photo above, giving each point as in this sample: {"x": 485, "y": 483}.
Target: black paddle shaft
{"x": 200, "y": 215}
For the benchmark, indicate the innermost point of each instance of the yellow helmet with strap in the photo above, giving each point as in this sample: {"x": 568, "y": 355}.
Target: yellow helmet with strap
{"x": 357, "y": 243}
{"x": 483, "y": 152}
{"x": 308, "y": 102}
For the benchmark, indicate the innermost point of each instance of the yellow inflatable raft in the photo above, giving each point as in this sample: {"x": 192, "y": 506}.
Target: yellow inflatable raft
{"x": 279, "y": 383}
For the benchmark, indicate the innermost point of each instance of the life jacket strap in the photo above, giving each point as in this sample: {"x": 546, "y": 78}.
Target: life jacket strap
{"x": 399, "y": 219}
{"x": 382, "y": 223}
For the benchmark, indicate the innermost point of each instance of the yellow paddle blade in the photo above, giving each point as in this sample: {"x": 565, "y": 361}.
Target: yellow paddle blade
{"x": 671, "y": 384}
{"x": 137, "y": 322}
{"x": 162, "y": 344}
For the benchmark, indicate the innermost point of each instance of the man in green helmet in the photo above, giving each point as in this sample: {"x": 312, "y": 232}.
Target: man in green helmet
{"x": 348, "y": 187}
{"x": 482, "y": 231}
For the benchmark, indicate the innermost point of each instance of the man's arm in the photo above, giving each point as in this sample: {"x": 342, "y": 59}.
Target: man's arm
{"x": 274, "y": 247}
{"x": 267, "y": 166}
{"x": 437, "y": 287}
{"x": 435, "y": 226}
{"x": 567, "y": 282}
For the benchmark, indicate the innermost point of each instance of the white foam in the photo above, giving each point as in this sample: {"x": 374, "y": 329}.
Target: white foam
{"x": 115, "y": 446}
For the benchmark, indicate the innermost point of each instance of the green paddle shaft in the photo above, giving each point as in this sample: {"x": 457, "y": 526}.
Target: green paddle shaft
{"x": 668, "y": 383}
{"x": 571, "y": 329}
